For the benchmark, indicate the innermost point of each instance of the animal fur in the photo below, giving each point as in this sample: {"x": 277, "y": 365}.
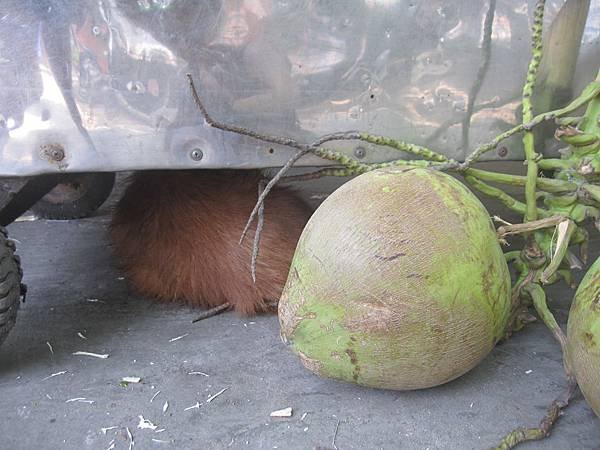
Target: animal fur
{"x": 176, "y": 236}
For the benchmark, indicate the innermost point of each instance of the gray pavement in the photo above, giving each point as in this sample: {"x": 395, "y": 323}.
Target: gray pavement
{"x": 56, "y": 400}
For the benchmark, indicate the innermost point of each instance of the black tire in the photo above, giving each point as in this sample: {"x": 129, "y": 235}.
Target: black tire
{"x": 79, "y": 195}
{"x": 11, "y": 289}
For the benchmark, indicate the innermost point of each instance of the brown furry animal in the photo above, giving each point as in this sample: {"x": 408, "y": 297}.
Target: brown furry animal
{"x": 176, "y": 235}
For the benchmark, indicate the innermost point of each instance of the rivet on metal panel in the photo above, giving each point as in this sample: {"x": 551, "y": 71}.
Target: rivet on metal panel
{"x": 360, "y": 152}
{"x": 55, "y": 152}
{"x": 196, "y": 154}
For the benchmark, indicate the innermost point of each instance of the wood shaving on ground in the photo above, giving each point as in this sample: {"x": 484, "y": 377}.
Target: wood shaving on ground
{"x": 94, "y": 355}
{"x": 179, "y": 337}
{"x": 49, "y": 398}
{"x": 303, "y": 417}
{"x": 335, "y": 433}
{"x": 165, "y": 407}
{"x": 528, "y": 371}
{"x": 81, "y": 335}
{"x": 131, "y": 379}
{"x": 50, "y": 347}
{"x": 80, "y": 400}
{"x": 93, "y": 300}
{"x": 160, "y": 441}
{"x": 111, "y": 445}
{"x": 26, "y": 219}
{"x": 145, "y": 424}
{"x": 130, "y": 436}
{"x": 161, "y": 430}
{"x": 212, "y": 397}
{"x": 62, "y": 372}
{"x": 154, "y": 396}
{"x": 199, "y": 373}
{"x": 104, "y": 430}
{"x": 196, "y": 406}
{"x": 285, "y": 412}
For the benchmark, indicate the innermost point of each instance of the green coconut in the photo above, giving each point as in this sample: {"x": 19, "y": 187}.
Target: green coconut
{"x": 583, "y": 336}
{"x": 398, "y": 282}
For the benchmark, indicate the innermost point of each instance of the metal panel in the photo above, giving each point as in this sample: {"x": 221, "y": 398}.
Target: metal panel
{"x": 103, "y": 81}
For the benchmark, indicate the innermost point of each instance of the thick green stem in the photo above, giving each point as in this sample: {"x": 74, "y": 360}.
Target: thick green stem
{"x": 555, "y": 164}
{"x": 538, "y": 297}
{"x": 500, "y": 195}
{"x": 496, "y": 193}
{"x": 545, "y": 184}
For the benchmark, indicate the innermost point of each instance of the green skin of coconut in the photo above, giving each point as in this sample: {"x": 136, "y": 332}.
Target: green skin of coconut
{"x": 583, "y": 336}
{"x": 398, "y": 282}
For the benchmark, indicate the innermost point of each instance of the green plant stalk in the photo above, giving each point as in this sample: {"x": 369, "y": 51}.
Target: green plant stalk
{"x": 545, "y": 184}
{"x": 531, "y": 212}
{"x": 416, "y": 150}
{"x": 539, "y": 302}
{"x": 496, "y": 193}
{"x": 561, "y": 48}
{"x": 593, "y": 191}
{"x": 588, "y": 93}
{"x": 555, "y": 164}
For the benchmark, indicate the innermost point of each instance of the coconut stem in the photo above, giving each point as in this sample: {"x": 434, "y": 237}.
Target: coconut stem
{"x": 588, "y": 93}
{"x": 531, "y": 156}
{"x": 416, "y": 150}
{"x": 545, "y": 184}
{"x": 539, "y": 301}
{"x": 527, "y": 227}
{"x": 520, "y": 435}
{"x": 554, "y": 411}
{"x": 500, "y": 195}
{"x": 566, "y": 229}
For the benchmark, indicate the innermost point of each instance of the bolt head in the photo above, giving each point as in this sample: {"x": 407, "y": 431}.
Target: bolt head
{"x": 360, "y": 152}
{"x": 196, "y": 154}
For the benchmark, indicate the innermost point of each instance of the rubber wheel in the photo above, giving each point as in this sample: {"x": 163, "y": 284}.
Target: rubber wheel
{"x": 76, "y": 197}
{"x": 11, "y": 289}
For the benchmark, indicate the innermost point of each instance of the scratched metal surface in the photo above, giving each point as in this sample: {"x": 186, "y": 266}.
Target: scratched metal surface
{"x": 106, "y": 78}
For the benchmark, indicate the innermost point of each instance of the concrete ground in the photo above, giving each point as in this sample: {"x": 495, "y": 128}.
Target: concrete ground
{"x": 52, "y": 399}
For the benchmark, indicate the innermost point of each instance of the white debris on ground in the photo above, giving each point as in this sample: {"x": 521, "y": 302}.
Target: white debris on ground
{"x": 179, "y": 337}
{"x": 131, "y": 379}
{"x": 145, "y": 424}
{"x": 154, "y": 396}
{"x": 196, "y": 406}
{"x": 165, "y": 407}
{"x": 285, "y": 412}
{"x": 93, "y": 355}
{"x": 212, "y": 397}
{"x": 62, "y": 372}
{"x": 130, "y": 437}
{"x": 80, "y": 400}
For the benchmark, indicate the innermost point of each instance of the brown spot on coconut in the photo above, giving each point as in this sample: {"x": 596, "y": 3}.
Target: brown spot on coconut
{"x": 427, "y": 312}
{"x": 583, "y": 336}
